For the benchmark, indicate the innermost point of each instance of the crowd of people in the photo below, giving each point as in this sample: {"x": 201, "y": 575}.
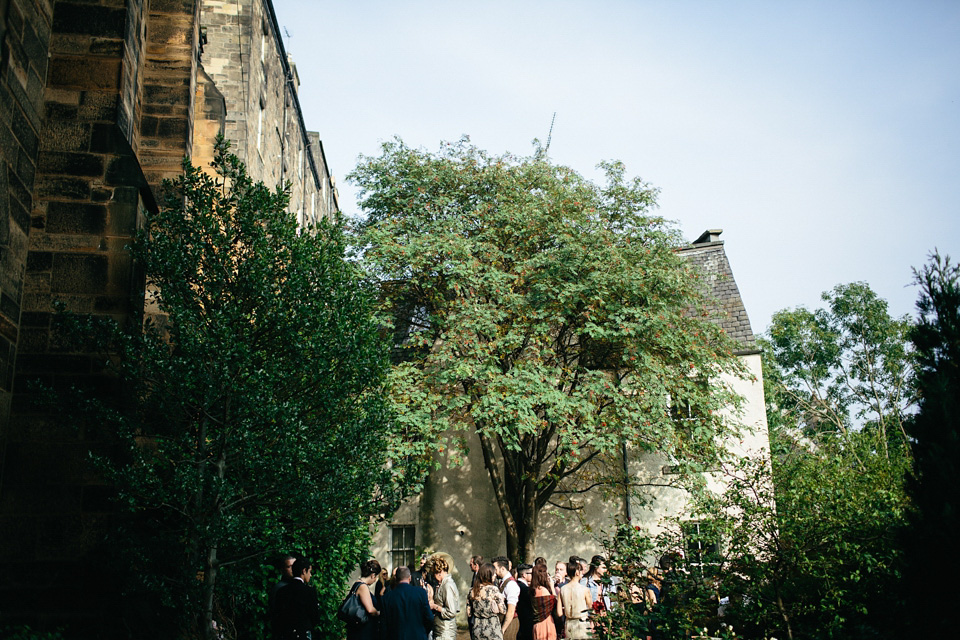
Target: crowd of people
{"x": 503, "y": 602}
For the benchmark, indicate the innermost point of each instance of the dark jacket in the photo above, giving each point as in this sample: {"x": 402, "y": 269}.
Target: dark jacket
{"x": 525, "y": 612}
{"x": 406, "y": 614}
{"x": 297, "y": 609}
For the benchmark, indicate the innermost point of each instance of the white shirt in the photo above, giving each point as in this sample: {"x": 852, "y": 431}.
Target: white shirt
{"x": 511, "y": 592}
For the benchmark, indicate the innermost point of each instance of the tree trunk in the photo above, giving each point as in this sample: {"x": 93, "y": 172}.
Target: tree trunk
{"x": 209, "y": 584}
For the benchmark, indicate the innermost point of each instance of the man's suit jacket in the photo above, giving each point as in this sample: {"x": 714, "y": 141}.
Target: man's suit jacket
{"x": 406, "y": 613}
{"x": 525, "y": 612}
{"x": 297, "y": 608}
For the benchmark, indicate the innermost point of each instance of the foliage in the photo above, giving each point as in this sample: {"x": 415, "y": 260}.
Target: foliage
{"x": 935, "y": 441}
{"x": 547, "y": 315}
{"x": 254, "y": 419}
{"x": 820, "y": 561}
{"x": 844, "y": 367}
{"x": 808, "y": 547}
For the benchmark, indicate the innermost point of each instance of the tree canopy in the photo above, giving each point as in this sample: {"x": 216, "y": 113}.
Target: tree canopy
{"x": 934, "y": 432}
{"x": 550, "y": 316}
{"x": 255, "y": 421}
{"x": 844, "y": 367}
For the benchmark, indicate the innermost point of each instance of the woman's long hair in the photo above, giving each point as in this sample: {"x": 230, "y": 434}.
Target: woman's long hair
{"x": 484, "y": 577}
{"x": 540, "y": 578}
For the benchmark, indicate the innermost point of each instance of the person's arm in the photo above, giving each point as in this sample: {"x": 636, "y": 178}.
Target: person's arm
{"x": 500, "y": 605}
{"x": 651, "y": 596}
{"x": 509, "y": 617}
{"x": 451, "y": 600}
{"x": 363, "y": 592}
{"x": 559, "y": 612}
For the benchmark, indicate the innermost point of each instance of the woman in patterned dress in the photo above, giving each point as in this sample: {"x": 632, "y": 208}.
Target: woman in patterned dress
{"x": 485, "y": 605}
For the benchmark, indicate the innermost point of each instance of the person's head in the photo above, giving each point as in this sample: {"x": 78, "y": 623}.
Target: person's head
{"x": 540, "y": 560}
{"x": 574, "y": 570}
{"x": 370, "y": 568}
{"x": 598, "y": 566}
{"x": 285, "y": 566}
{"x": 439, "y": 567}
{"x": 668, "y": 561}
{"x": 475, "y": 562}
{"x": 560, "y": 571}
{"x": 501, "y": 566}
{"x": 584, "y": 567}
{"x": 303, "y": 569}
{"x": 541, "y": 578}
{"x": 486, "y": 574}
{"x": 402, "y": 574}
{"x": 525, "y": 572}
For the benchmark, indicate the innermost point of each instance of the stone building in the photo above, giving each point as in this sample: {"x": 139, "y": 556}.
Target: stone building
{"x": 457, "y": 512}
{"x": 100, "y": 100}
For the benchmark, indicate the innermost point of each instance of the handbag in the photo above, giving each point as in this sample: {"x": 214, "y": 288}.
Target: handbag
{"x": 351, "y": 609}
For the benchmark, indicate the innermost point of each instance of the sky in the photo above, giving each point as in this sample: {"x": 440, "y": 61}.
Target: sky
{"x": 822, "y": 137}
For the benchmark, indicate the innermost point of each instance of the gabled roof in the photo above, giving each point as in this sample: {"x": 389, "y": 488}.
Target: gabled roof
{"x": 708, "y": 255}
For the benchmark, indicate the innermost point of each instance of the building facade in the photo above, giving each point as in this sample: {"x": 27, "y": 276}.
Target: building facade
{"x": 100, "y": 101}
{"x": 457, "y": 512}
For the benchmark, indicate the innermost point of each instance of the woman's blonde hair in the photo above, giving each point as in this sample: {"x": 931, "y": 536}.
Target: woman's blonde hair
{"x": 438, "y": 564}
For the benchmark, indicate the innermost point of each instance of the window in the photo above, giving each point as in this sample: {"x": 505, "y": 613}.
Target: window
{"x": 702, "y": 545}
{"x": 402, "y": 545}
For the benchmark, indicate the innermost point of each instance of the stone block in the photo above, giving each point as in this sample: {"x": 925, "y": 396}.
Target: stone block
{"x": 66, "y": 136}
{"x": 19, "y": 214}
{"x": 174, "y": 128}
{"x": 166, "y": 95}
{"x": 63, "y": 187}
{"x": 24, "y": 131}
{"x": 85, "y": 73}
{"x": 106, "y": 47}
{"x": 39, "y": 261}
{"x": 86, "y": 19}
{"x": 70, "y": 44}
{"x": 75, "y": 217}
{"x": 122, "y": 219}
{"x": 184, "y": 7}
{"x": 71, "y": 163}
{"x": 77, "y": 273}
{"x": 99, "y": 105}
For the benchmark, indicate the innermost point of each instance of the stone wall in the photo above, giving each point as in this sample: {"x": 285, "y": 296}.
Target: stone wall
{"x": 100, "y": 100}
{"x": 25, "y": 27}
{"x": 245, "y": 58}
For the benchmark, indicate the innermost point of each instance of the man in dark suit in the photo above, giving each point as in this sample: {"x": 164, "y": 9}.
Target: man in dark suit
{"x": 298, "y": 611}
{"x": 406, "y": 614}
{"x": 525, "y": 603}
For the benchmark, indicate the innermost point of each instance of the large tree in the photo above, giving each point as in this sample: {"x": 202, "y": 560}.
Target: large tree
{"x": 935, "y": 441}
{"x": 549, "y": 315}
{"x": 255, "y": 421}
{"x": 844, "y": 367}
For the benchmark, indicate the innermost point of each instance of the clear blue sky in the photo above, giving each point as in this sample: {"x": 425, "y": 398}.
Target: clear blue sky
{"x": 822, "y": 137}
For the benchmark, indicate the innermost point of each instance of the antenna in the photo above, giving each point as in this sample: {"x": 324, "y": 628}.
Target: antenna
{"x": 550, "y": 134}
{"x": 287, "y": 32}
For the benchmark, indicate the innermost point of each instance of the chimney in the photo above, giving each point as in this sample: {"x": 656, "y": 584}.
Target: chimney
{"x": 710, "y": 235}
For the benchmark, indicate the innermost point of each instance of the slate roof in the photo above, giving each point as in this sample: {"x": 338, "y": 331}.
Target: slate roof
{"x": 708, "y": 255}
